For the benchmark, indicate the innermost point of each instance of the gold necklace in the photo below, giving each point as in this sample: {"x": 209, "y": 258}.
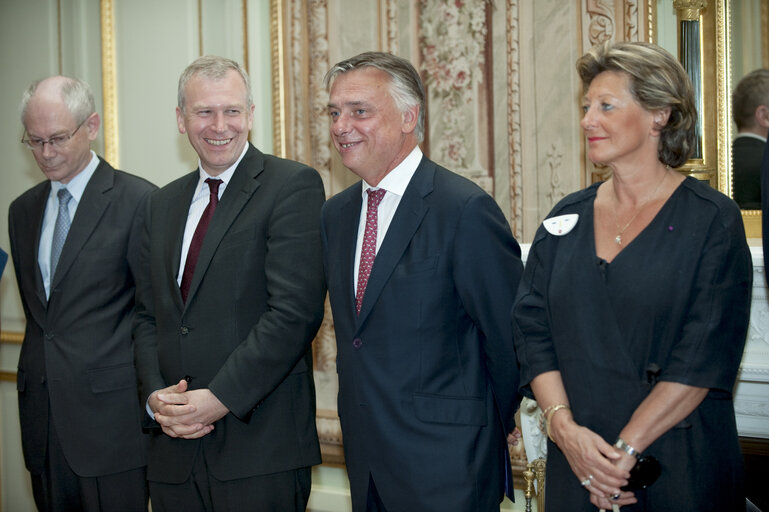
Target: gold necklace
{"x": 618, "y": 238}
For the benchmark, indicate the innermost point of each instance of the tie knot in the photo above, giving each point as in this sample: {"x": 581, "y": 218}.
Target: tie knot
{"x": 213, "y": 185}
{"x": 64, "y": 196}
{"x": 375, "y": 197}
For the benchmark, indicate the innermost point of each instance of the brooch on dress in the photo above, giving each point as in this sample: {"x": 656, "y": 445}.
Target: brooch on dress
{"x": 561, "y": 225}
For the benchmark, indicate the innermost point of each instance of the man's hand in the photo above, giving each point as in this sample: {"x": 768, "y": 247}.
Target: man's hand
{"x": 186, "y": 414}
{"x": 514, "y": 437}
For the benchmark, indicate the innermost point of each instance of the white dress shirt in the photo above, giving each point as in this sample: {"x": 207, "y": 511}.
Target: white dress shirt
{"x": 76, "y": 187}
{"x": 395, "y": 183}
{"x": 198, "y": 205}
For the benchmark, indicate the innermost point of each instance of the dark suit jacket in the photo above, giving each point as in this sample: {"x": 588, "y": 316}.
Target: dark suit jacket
{"x": 765, "y": 207}
{"x": 427, "y": 373}
{"x": 77, "y": 357}
{"x": 245, "y": 332}
{"x": 746, "y": 172}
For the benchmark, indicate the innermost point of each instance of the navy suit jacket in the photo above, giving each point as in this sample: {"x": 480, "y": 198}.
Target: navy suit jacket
{"x": 765, "y": 206}
{"x": 428, "y": 376}
{"x": 76, "y": 360}
{"x": 254, "y": 305}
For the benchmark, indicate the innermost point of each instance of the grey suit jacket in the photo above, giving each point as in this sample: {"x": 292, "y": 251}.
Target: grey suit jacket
{"x": 76, "y": 359}
{"x": 245, "y": 332}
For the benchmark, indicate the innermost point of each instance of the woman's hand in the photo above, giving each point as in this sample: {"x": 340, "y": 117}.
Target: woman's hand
{"x": 624, "y": 462}
{"x": 594, "y": 462}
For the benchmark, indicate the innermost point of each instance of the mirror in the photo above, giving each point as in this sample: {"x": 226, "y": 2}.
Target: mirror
{"x": 735, "y": 41}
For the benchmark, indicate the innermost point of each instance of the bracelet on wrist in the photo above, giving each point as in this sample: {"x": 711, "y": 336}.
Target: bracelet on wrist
{"x": 620, "y": 444}
{"x": 549, "y": 416}
{"x": 544, "y": 416}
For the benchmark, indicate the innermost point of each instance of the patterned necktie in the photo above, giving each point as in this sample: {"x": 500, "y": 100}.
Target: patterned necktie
{"x": 368, "y": 251}
{"x": 197, "y": 238}
{"x": 60, "y": 229}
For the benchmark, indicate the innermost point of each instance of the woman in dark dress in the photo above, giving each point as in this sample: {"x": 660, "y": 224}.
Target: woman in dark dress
{"x": 633, "y": 309}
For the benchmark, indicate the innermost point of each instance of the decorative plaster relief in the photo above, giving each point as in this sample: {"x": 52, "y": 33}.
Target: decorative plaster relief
{"x": 514, "y": 118}
{"x": 599, "y": 15}
{"x": 554, "y": 159}
{"x": 453, "y": 39}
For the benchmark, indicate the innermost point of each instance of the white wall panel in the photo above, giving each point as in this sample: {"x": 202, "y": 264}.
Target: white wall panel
{"x": 260, "y": 71}
{"x": 154, "y": 42}
{"x": 29, "y": 38}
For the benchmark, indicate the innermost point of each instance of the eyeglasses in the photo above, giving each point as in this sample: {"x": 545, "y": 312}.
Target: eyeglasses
{"x": 56, "y": 142}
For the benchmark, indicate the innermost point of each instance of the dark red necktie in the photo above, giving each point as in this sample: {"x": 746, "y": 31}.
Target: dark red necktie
{"x": 368, "y": 250}
{"x": 200, "y": 234}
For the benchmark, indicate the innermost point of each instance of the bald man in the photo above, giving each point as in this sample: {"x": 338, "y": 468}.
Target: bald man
{"x": 74, "y": 243}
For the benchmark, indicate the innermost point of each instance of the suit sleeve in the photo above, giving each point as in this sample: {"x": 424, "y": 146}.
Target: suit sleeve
{"x": 487, "y": 270}
{"x": 718, "y": 312}
{"x": 145, "y": 341}
{"x": 296, "y": 292}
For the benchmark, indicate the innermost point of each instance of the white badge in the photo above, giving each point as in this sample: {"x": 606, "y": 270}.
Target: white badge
{"x": 561, "y": 225}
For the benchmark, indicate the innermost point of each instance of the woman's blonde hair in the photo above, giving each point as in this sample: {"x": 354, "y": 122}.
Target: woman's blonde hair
{"x": 657, "y": 81}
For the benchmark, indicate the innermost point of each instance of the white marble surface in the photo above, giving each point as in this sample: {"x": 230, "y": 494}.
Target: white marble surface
{"x": 751, "y": 400}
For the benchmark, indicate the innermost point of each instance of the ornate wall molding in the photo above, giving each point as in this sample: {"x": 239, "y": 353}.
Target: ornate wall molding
{"x": 389, "y": 13}
{"x": 279, "y": 85}
{"x": 598, "y": 20}
{"x": 554, "y": 165}
{"x": 109, "y": 84}
{"x": 11, "y": 337}
{"x": 454, "y": 43}
{"x": 514, "y": 118}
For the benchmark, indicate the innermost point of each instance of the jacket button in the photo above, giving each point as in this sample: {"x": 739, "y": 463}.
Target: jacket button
{"x": 184, "y": 330}
{"x": 357, "y": 343}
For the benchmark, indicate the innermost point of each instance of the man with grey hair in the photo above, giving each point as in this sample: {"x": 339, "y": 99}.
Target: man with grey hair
{"x": 75, "y": 245}
{"x": 750, "y": 110}
{"x": 422, "y": 271}
{"x": 226, "y": 318}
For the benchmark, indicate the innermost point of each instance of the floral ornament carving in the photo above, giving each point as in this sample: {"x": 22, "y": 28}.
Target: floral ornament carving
{"x": 453, "y": 38}
{"x": 554, "y": 159}
{"x": 601, "y": 21}
{"x": 631, "y": 20}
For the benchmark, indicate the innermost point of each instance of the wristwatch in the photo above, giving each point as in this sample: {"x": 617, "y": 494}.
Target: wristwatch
{"x": 622, "y": 445}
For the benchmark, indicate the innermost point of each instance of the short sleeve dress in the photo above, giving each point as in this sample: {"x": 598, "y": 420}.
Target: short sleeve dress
{"x": 673, "y": 305}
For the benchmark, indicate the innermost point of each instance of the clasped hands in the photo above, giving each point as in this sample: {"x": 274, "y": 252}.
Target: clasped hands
{"x": 601, "y": 468}
{"x": 186, "y": 414}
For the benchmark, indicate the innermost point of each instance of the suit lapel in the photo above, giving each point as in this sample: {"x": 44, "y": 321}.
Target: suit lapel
{"x": 237, "y": 194}
{"x": 176, "y": 221}
{"x": 349, "y": 219}
{"x": 39, "y": 211}
{"x": 92, "y": 205}
{"x": 407, "y": 218}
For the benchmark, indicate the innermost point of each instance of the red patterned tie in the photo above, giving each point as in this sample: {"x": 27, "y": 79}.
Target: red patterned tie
{"x": 368, "y": 251}
{"x": 197, "y": 238}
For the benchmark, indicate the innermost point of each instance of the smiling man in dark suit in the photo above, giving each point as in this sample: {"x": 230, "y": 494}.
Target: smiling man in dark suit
{"x": 422, "y": 271}
{"x": 75, "y": 240}
{"x": 226, "y": 320}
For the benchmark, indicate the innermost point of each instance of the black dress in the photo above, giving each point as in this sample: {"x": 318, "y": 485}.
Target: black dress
{"x": 676, "y": 299}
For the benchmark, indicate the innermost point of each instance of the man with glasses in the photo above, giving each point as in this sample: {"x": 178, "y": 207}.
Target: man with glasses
{"x": 74, "y": 242}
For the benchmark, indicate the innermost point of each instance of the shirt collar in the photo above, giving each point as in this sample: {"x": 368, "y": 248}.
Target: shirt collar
{"x": 398, "y": 179}
{"x": 77, "y": 184}
{"x": 226, "y": 176}
{"x": 751, "y": 135}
